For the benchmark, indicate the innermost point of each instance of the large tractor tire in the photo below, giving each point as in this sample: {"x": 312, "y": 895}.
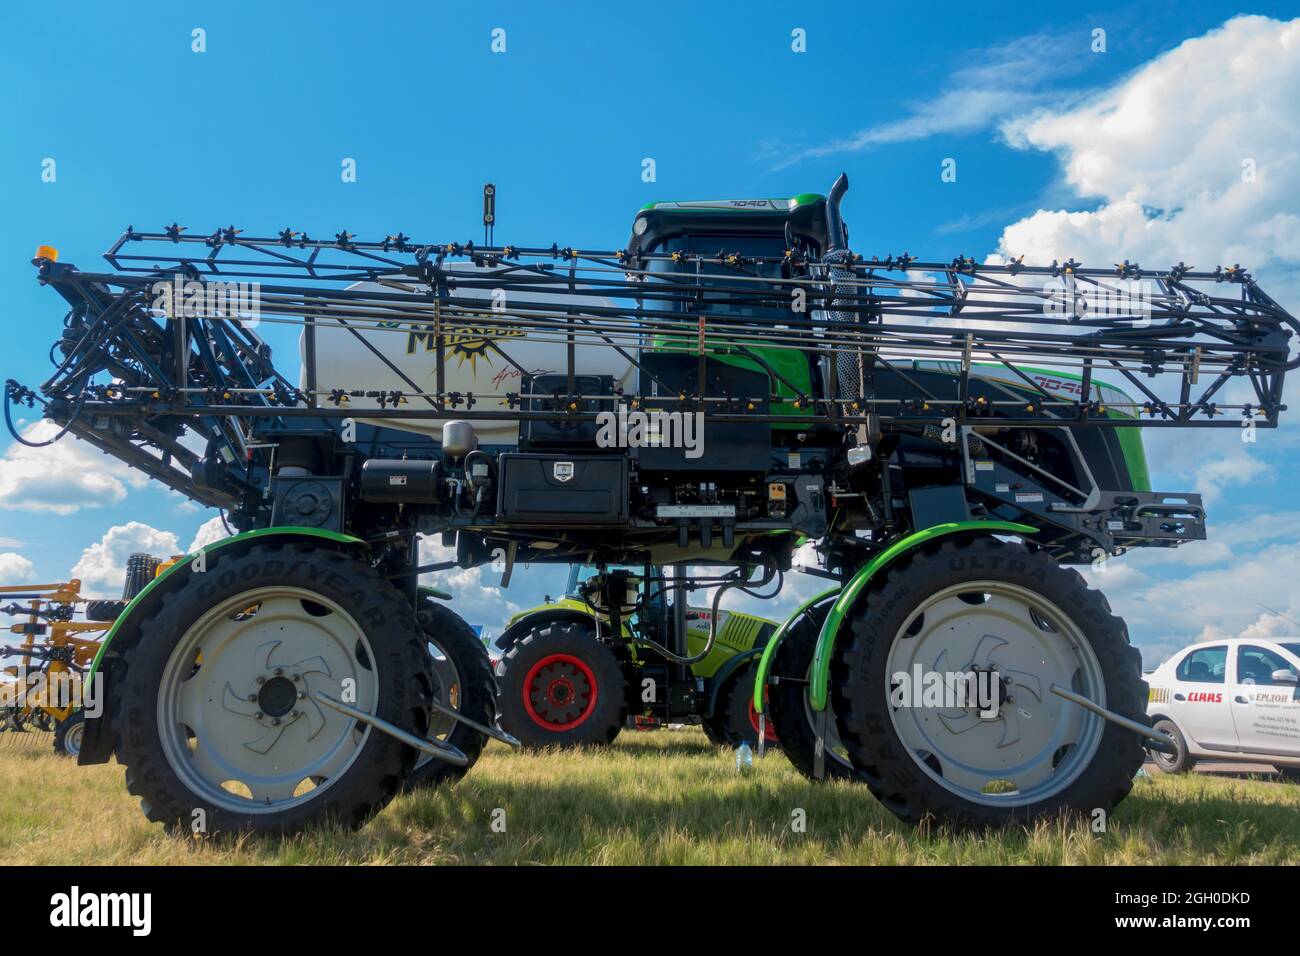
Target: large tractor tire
{"x": 560, "y": 687}
{"x": 982, "y": 604}
{"x": 218, "y": 726}
{"x": 463, "y": 681}
{"x": 734, "y": 720}
{"x": 104, "y": 611}
{"x": 1181, "y": 762}
{"x": 789, "y": 709}
{"x": 140, "y": 570}
{"x": 68, "y": 734}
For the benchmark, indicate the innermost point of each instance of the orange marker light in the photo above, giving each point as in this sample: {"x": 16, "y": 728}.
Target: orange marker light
{"x": 47, "y": 252}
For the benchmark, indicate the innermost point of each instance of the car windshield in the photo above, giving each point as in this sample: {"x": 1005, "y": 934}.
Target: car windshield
{"x": 580, "y": 573}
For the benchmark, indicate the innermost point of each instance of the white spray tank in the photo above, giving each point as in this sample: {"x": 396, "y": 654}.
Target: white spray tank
{"x": 473, "y": 354}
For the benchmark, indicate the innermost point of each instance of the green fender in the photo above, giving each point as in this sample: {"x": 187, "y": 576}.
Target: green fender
{"x": 286, "y": 531}
{"x": 820, "y": 678}
{"x": 769, "y": 652}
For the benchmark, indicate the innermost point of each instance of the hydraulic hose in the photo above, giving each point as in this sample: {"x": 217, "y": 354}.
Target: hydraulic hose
{"x": 9, "y": 421}
{"x": 673, "y": 658}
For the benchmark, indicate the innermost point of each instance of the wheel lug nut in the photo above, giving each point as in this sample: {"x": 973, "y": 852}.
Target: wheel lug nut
{"x": 258, "y": 715}
{"x": 252, "y": 697}
{"x": 261, "y": 680}
{"x": 275, "y": 721}
{"x": 279, "y": 672}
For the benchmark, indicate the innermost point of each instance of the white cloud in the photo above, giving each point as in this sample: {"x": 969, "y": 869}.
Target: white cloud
{"x": 472, "y": 598}
{"x": 15, "y": 569}
{"x": 1005, "y": 80}
{"x": 211, "y": 530}
{"x": 102, "y": 567}
{"x": 64, "y": 477}
{"x": 1163, "y": 150}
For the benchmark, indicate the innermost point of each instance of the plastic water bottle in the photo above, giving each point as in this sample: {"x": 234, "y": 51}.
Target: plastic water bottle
{"x": 744, "y": 758}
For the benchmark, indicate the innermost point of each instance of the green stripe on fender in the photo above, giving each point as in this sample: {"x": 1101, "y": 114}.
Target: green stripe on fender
{"x": 830, "y": 629}
{"x": 283, "y": 531}
{"x": 769, "y": 652}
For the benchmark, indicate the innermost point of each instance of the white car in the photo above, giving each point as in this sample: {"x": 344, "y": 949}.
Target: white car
{"x": 1233, "y": 700}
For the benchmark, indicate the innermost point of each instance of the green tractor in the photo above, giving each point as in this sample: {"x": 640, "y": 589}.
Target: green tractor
{"x": 564, "y": 678}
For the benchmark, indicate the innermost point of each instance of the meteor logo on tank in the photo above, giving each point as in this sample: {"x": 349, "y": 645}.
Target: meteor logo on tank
{"x": 466, "y": 344}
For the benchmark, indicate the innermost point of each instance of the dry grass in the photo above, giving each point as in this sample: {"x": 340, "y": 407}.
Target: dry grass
{"x": 659, "y": 798}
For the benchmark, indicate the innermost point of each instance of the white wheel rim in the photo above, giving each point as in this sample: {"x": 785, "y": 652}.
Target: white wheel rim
{"x": 242, "y": 731}
{"x": 72, "y": 739}
{"x": 1039, "y": 744}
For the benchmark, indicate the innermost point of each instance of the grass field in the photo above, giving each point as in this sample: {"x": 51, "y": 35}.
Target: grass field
{"x": 660, "y": 798}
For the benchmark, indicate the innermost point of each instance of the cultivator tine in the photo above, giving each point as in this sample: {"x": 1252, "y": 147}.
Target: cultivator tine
{"x": 1155, "y": 740}
{"x": 496, "y": 733}
{"x": 434, "y": 748}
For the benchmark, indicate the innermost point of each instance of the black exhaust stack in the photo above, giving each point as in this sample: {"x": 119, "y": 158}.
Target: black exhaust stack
{"x": 848, "y": 360}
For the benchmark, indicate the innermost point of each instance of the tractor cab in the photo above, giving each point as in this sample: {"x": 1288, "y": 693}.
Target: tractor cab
{"x": 745, "y": 244}
{"x": 746, "y": 226}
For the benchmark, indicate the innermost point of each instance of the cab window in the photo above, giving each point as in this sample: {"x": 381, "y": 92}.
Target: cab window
{"x": 1205, "y": 665}
{"x": 1255, "y": 665}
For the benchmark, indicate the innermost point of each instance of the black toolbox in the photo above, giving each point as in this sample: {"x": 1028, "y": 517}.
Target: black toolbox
{"x": 563, "y": 490}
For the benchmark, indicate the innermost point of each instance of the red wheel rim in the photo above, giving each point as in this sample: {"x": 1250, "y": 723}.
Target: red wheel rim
{"x": 560, "y": 692}
{"x": 769, "y": 732}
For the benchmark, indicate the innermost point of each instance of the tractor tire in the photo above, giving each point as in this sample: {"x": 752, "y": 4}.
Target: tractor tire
{"x": 948, "y": 609}
{"x": 104, "y": 610}
{"x": 463, "y": 681}
{"x": 734, "y": 720}
{"x": 1182, "y": 762}
{"x": 253, "y": 639}
{"x": 560, "y": 687}
{"x": 140, "y": 570}
{"x": 713, "y": 732}
{"x": 68, "y": 734}
{"x": 789, "y": 709}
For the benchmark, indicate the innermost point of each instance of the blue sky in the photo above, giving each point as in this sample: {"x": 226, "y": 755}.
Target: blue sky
{"x": 144, "y": 131}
